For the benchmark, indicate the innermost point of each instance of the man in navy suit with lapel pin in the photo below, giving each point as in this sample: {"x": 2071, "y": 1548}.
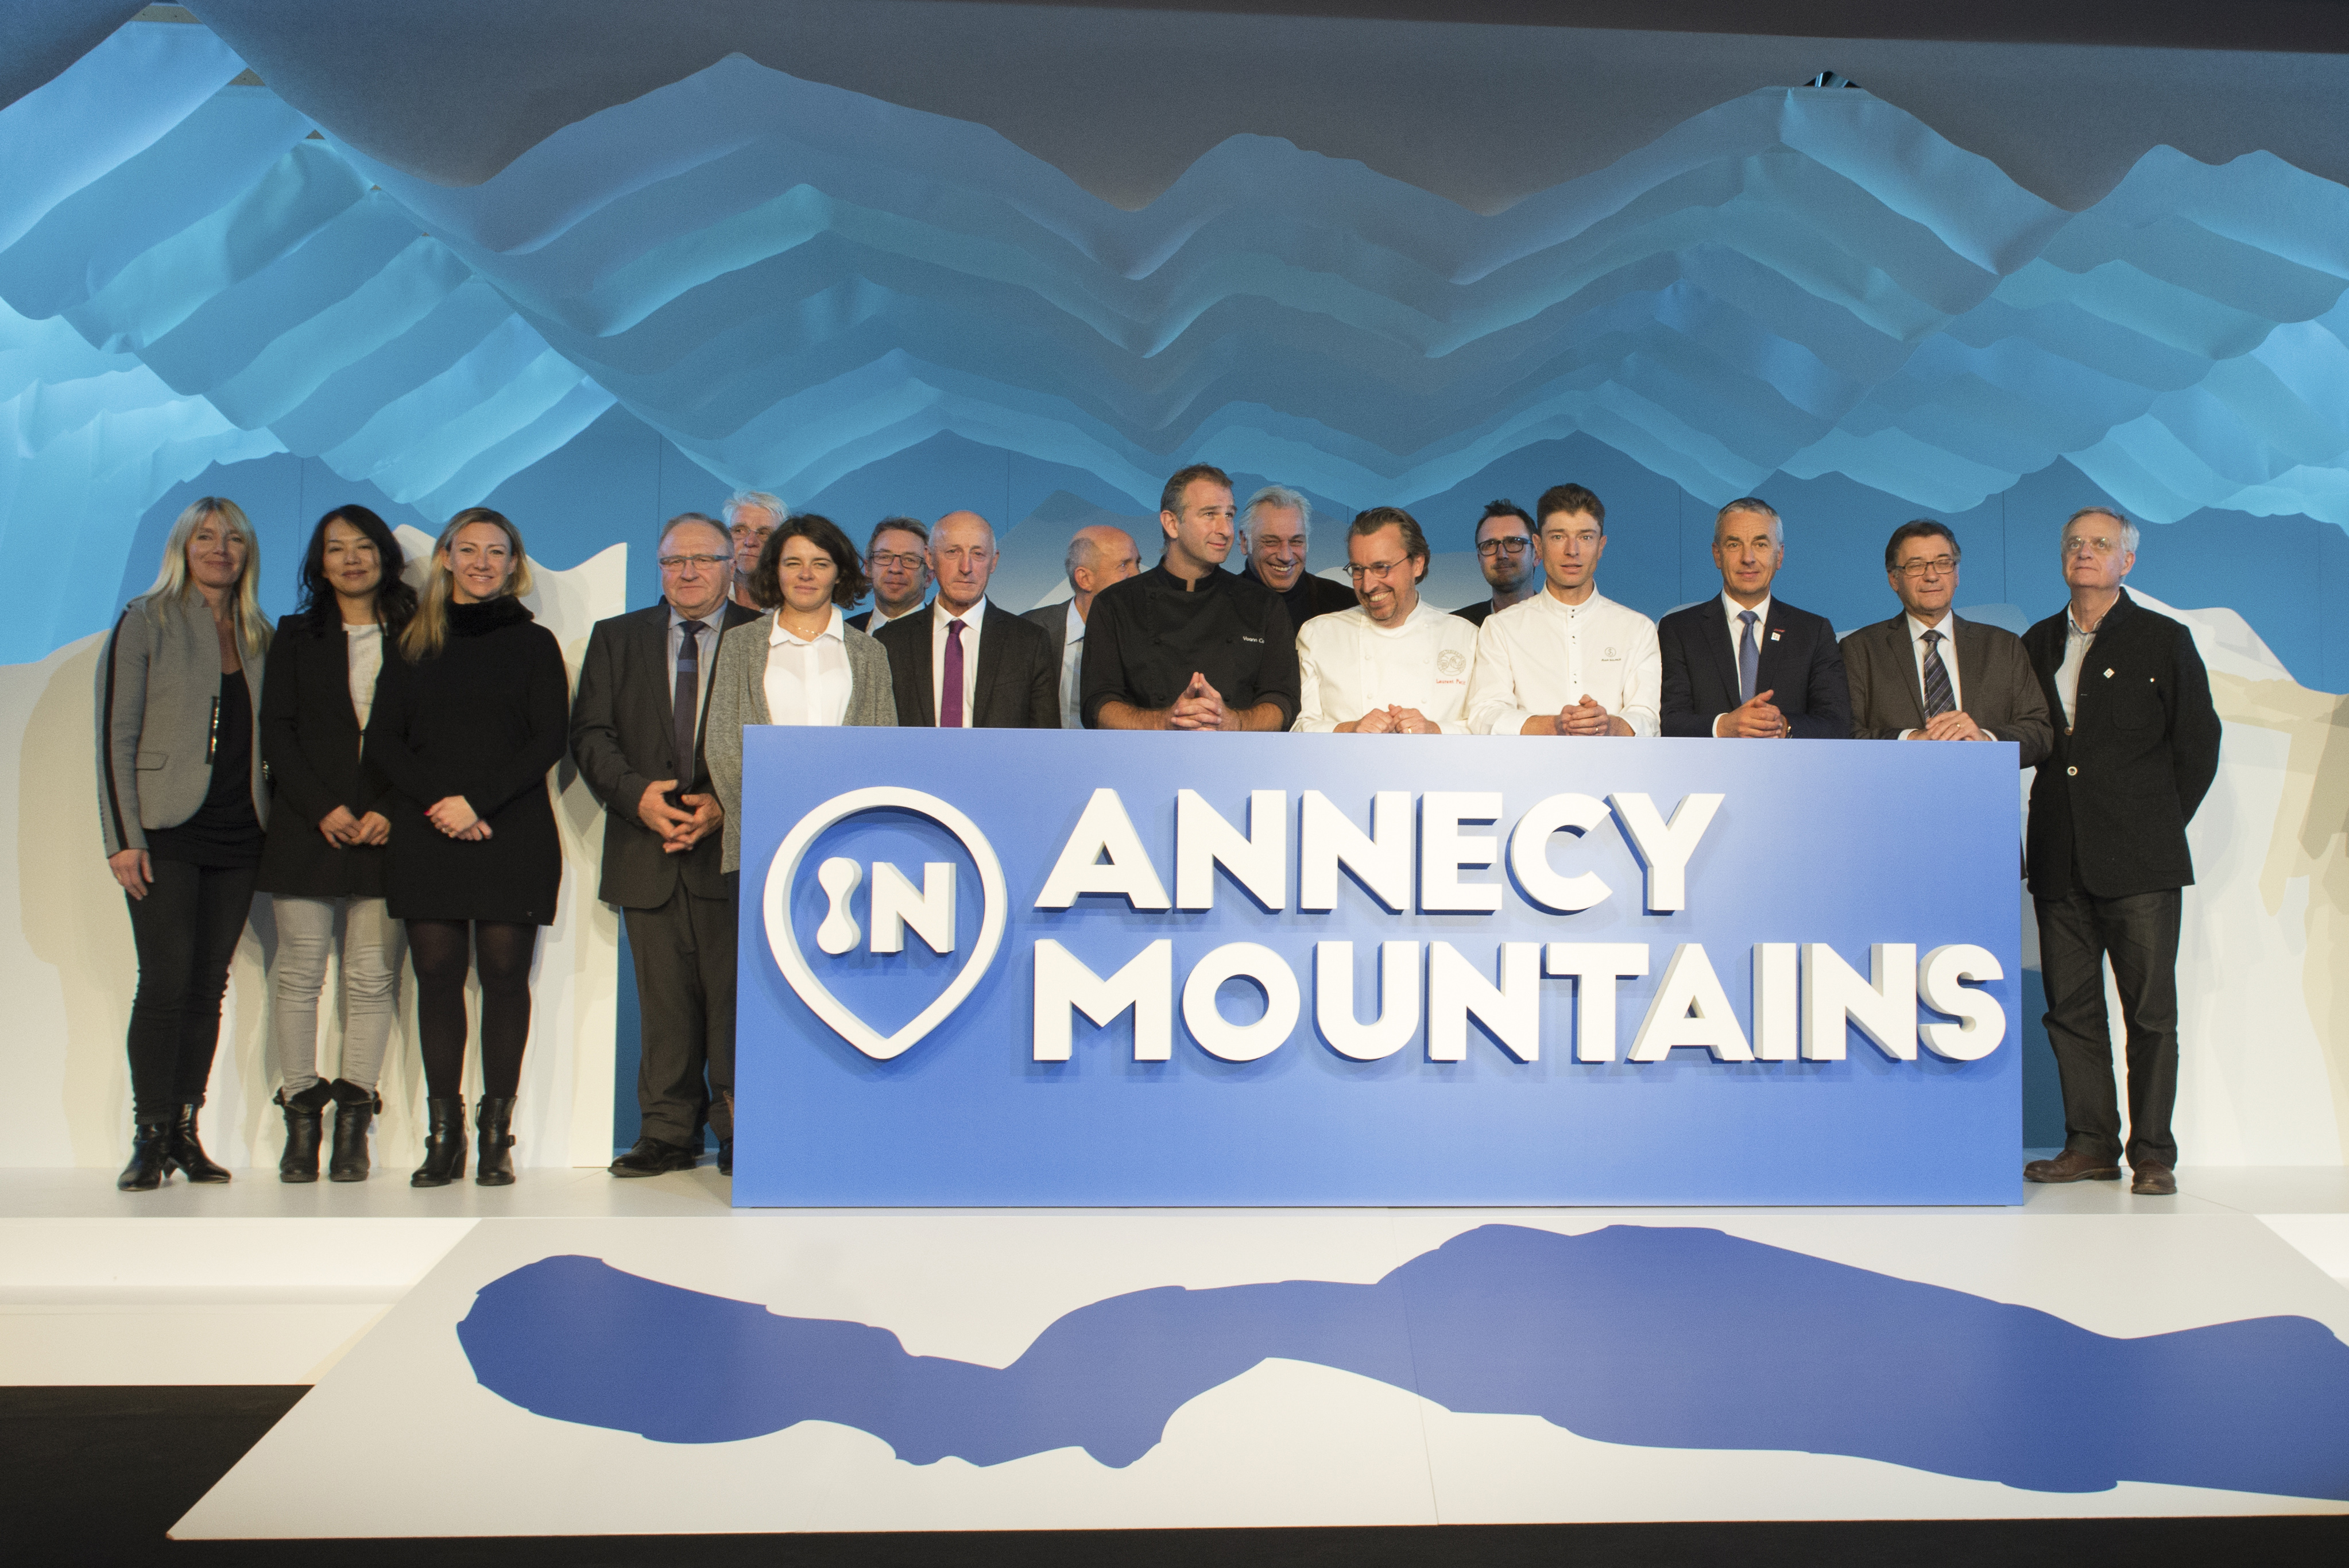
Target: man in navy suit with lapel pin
{"x": 636, "y": 729}
{"x": 965, "y": 664}
{"x": 1747, "y": 666}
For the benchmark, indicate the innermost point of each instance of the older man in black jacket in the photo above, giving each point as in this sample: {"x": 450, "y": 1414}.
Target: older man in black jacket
{"x": 636, "y": 729}
{"x": 2136, "y": 749}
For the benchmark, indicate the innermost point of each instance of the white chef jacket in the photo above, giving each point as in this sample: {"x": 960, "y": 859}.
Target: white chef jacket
{"x": 1347, "y": 664}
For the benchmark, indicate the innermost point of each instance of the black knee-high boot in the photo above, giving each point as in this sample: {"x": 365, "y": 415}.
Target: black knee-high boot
{"x": 299, "y": 1162}
{"x": 494, "y": 1120}
{"x": 354, "y": 1108}
{"x": 444, "y": 1144}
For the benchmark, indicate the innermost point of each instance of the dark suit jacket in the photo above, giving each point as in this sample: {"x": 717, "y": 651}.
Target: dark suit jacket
{"x": 624, "y": 734}
{"x": 310, "y": 739}
{"x": 862, "y": 620}
{"x": 1054, "y": 619}
{"x": 1478, "y": 613}
{"x": 2117, "y": 790}
{"x": 1999, "y": 689}
{"x": 1018, "y": 682}
{"x": 1800, "y": 664}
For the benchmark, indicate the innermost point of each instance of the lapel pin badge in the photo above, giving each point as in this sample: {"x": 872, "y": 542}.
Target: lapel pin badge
{"x": 1773, "y": 636}
{"x": 2109, "y": 675}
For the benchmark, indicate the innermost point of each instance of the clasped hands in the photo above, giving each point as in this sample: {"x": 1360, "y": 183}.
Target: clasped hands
{"x": 1951, "y": 726}
{"x": 678, "y": 830}
{"x": 1394, "y": 719}
{"x": 346, "y": 831}
{"x": 1756, "y": 719}
{"x": 454, "y": 815}
{"x": 1201, "y": 707}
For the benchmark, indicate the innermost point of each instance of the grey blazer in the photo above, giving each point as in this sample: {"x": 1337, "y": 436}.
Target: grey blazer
{"x": 158, "y": 679}
{"x": 738, "y": 695}
{"x": 2001, "y": 689}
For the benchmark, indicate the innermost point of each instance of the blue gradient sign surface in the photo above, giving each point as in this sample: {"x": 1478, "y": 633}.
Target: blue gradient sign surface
{"x": 1047, "y": 968}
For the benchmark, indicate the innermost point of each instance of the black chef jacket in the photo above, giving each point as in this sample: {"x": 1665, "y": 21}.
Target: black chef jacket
{"x": 1145, "y": 637}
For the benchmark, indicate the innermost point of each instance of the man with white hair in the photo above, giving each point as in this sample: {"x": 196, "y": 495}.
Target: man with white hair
{"x": 750, "y": 516}
{"x": 2135, "y": 752}
{"x": 968, "y": 664}
{"x": 1099, "y": 555}
{"x": 1276, "y": 526}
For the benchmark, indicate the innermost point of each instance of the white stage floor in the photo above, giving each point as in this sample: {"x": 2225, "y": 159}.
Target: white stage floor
{"x": 785, "y": 1370}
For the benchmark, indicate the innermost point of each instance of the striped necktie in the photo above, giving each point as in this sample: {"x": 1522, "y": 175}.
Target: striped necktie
{"x": 688, "y": 692}
{"x": 1939, "y": 698}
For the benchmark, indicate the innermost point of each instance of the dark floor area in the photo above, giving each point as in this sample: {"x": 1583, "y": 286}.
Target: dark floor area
{"x": 97, "y": 1476}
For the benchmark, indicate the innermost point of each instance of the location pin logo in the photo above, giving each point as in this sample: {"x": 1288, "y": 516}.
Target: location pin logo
{"x": 837, "y": 932}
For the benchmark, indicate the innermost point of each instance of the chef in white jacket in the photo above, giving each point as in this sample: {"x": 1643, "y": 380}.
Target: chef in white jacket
{"x": 1392, "y": 665}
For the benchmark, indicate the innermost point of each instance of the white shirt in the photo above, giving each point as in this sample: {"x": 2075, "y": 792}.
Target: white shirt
{"x": 2076, "y": 644}
{"x": 1347, "y": 664}
{"x": 808, "y": 683}
{"x": 706, "y": 643}
{"x": 1948, "y": 649}
{"x": 363, "y": 647}
{"x": 940, "y": 619}
{"x": 1072, "y": 669}
{"x": 1543, "y": 654}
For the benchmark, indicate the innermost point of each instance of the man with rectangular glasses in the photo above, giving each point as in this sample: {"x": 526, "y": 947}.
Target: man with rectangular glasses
{"x": 1506, "y": 554}
{"x": 1928, "y": 674}
{"x": 897, "y": 559}
{"x": 1393, "y": 664}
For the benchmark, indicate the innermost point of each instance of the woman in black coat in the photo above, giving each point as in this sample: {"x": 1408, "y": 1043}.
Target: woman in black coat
{"x": 323, "y": 863}
{"x": 466, "y": 725}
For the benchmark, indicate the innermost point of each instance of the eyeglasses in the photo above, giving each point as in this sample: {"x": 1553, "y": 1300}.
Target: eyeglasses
{"x": 1514, "y": 545}
{"x": 910, "y": 563}
{"x": 1939, "y": 566}
{"x": 1381, "y": 569}
{"x": 2090, "y": 545}
{"x": 679, "y": 563}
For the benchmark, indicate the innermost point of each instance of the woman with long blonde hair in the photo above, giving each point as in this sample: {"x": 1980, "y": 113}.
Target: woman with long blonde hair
{"x": 466, "y": 724}
{"x": 182, "y": 805}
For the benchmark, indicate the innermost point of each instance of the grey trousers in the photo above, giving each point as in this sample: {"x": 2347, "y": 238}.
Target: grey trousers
{"x": 684, "y": 956}
{"x": 373, "y": 944}
{"x": 2138, "y": 933}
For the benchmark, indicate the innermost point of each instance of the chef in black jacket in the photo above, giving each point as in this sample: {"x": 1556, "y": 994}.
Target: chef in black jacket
{"x": 1187, "y": 644}
{"x": 2134, "y": 753}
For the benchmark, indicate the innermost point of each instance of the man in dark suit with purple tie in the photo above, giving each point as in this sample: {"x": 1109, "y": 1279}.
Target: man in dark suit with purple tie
{"x": 964, "y": 663}
{"x": 1746, "y": 664}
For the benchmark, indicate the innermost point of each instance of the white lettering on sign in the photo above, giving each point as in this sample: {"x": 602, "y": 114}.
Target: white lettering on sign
{"x": 1146, "y": 984}
{"x": 1103, "y": 854}
{"x": 1941, "y": 985}
{"x": 1258, "y": 859}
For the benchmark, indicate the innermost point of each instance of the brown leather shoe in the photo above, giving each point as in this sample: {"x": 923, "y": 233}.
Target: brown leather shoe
{"x": 2072, "y": 1165}
{"x": 2153, "y": 1180}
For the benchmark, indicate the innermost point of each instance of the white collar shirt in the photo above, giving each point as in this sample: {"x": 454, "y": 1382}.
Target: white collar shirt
{"x": 1543, "y": 654}
{"x": 1347, "y": 664}
{"x": 940, "y": 619}
{"x": 1733, "y": 609}
{"x": 2076, "y": 644}
{"x": 808, "y": 683}
{"x": 1073, "y": 671}
{"x": 1947, "y": 647}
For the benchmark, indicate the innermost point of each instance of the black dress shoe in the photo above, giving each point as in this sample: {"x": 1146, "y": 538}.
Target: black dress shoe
{"x": 2153, "y": 1179}
{"x": 726, "y": 1157}
{"x": 651, "y": 1157}
{"x": 2072, "y": 1165}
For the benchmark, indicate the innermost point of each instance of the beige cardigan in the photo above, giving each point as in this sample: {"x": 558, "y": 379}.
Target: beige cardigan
{"x": 738, "y": 695}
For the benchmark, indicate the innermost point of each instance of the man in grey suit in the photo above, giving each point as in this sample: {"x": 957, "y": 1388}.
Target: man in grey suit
{"x": 637, "y": 730}
{"x": 967, "y": 664}
{"x": 1926, "y": 674}
{"x": 1098, "y": 556}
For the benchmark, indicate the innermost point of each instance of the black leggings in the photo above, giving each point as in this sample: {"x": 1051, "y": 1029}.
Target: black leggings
{"x": 186, "y": 931}
{"x": 500, "y": 954}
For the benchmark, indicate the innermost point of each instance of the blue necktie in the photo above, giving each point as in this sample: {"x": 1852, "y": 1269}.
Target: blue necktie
{"x": 689, "y": 689}
{"x": 1749, "y": 657}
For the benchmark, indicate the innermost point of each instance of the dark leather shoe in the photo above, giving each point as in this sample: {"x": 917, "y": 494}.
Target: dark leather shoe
{"x": 186, "y": 1151}
{"x": 493, "y": 1130}
{"x": 651, "y": 1157}
{"x": 726, "y": 1157}
{"x": 444, "y": 1144}
{"x": 354, "y": 1108}
{"x": 2153, "y": 1180}
{"x": 304, "y": 1115}
{"x": 149, "y": 1161}
{"x": 2072, "y": 1165}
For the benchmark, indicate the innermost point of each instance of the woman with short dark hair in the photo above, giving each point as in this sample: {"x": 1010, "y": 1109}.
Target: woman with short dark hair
{"x": 800, "y": 663}
{"x": 322, "y": 864}
{"x": 467, "y": 722}
{"x": 181, "y": 809}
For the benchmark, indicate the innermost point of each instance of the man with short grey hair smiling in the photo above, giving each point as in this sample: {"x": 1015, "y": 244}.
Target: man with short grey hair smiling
{"x": 1276, "y": 529}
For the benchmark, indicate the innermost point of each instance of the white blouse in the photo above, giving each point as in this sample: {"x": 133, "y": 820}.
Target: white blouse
{"x": 808, "y": 682}
{"x": 364, "y": 651}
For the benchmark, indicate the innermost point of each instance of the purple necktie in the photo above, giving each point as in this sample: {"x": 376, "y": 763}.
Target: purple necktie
{"x": 689, "y": 688}
{"x": 950, "y": 699}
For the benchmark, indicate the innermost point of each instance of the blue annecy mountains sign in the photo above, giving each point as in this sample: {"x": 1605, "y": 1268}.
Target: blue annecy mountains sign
{"x": 1020, "y": 967}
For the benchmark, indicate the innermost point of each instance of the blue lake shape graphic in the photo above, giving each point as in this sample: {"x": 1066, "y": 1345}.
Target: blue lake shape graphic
{"x": 1662, "y": 1337}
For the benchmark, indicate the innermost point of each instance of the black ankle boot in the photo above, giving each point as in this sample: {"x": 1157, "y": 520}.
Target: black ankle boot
{"x": 493, "y": 1118}
{"x": 444, "y": 1144}
{"x": 150, "y": 1142}
{"x": 354, "y": 1108}
{"x": 303, "y": 1131}
{"x": 182, "y": 1149}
